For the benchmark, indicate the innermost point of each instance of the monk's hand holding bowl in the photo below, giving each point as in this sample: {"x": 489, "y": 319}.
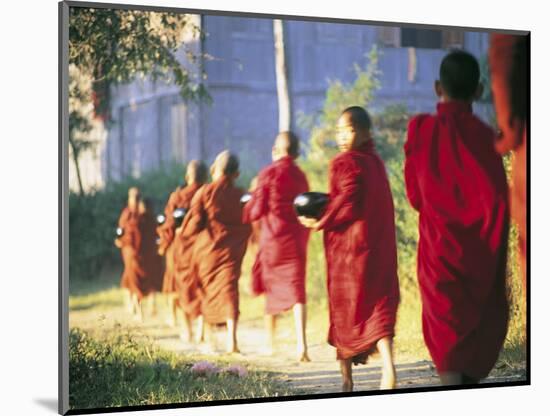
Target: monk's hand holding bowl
{"x": 161, "y": 251}
{"x": 309, "y": 222}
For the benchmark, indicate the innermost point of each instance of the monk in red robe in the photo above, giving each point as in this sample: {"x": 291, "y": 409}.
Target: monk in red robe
{"x": 456, "y": 181}
{"x": 254, "y": 239}
{"x": 280, "y": 267}
{"x": 215, "y": 218}
{"x": 152, "y": 264}
{"x": 361, "y": 252}
{"x": 195, "y": 177}
{"x": 508, "y": 65}
{"x": 129, "y": 244}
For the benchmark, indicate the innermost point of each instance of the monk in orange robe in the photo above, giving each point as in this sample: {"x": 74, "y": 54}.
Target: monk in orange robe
{"x": 456, "y": 181}
{"x": 361, "y": 251}
{"x": 187, "y": 289}
{"x": 195, "y": 177}
{"x": 280, "y": 267}
{"x": 215, "y": 218}
{"x": 508, "y": 62}
{"x": 152, "y": 264}
{"x": 129, "y": 244}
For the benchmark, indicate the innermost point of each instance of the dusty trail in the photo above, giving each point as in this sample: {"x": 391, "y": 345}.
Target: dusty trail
{"x": 321, "y": 375}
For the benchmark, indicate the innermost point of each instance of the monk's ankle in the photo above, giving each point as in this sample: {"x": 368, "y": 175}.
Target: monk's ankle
{"x": 387, "y": 382}
{"x": 347, "y": 386}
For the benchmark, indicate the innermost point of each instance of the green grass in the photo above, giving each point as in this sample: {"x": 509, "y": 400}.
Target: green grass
{"x": 121, "y": 371}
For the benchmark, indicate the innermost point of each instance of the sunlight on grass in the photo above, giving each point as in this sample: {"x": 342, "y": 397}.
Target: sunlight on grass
{"x": 118, "y": 370}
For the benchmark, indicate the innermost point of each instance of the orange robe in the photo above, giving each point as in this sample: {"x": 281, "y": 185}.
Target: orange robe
{"x": 508, "y": 64}
{"x": 215, "y": 220}
{"x": 180, "y": 198}
{"x": 131, "y": 242}
{"x": 187, "y": 287}
{"x": 152, "y": 264}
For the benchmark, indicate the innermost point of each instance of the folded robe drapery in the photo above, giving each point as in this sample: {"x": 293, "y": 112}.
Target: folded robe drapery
{"x": 280, "y": 266}
{"x": 180, "y": 198}
{"x": 131, "y": 242}
{"x": 360, "y": 248}
{"x": 456, "y": 181}
{"x": 215, "y": 219}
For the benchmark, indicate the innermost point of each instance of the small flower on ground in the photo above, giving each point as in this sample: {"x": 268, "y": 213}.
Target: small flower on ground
{"x": 237, "y": 370}
{"x": 204, "y": 368}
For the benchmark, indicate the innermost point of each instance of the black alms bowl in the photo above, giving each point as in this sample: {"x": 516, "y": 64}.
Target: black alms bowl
{"x": 179, "y": 214}
{"x": 246, "y": 197}
{"x": 161, "y": 219}
{"x": 119, "y": 232}
{"x": 311, "y": 204}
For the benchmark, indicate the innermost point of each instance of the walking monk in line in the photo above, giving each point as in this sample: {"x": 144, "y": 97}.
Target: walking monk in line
{"x": 456, "y": 181}
{"x": 508, "y": 63}
{"x": 195, "y": 176}
{"x": 152, "y": 264}
{"x": 361, "y": 253}
{"x": 280, "y": 267}
{"x": 129, "y": 243}
{"x": 187, "y": 288}
{"x": 215, "y": 218}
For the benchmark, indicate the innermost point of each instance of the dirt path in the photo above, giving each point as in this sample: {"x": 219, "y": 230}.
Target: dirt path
{"x": 321, "y": 375}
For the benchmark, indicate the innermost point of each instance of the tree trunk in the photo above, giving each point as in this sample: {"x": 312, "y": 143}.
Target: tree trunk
{"x": 77, "y": 167}
{"x": 281, "y": 73}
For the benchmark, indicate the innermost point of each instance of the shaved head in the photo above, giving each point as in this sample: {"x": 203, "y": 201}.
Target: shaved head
{"x": 133, "y": 192}
{"x": 133, "y": 198}
{"x": 197, "y": 172}
{"x": 358, "y": 117}
{"x": 226, "y": 164}
{"x": 286, "y": 144}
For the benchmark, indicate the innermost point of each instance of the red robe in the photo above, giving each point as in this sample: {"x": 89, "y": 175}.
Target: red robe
{"x": 152, "y": 264}
{"x": 215, "y": 219}
{"x": 180, "y": 198}
{"x": 361, "y": 253}
{"x": 280, "y": 267}
{"x": 508, "y": 62}
{"x": 131, "y": 243}
{"x": 456, "y": 181}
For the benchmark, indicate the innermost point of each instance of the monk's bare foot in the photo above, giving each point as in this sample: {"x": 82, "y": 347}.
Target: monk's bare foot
{"x": 303, "y": 357}
{"x": 232, "y": 350}
{"x": 347, "y": 386}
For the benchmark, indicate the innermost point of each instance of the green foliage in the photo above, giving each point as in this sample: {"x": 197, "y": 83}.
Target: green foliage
{"x": 93, "y": 218}
{"x": 338, "y": 97}
{"x": 120, "y": 371}
{"x": 389, "y": 132}
{"x": 108, "y": 47}
{"x": 116, "y": 46}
